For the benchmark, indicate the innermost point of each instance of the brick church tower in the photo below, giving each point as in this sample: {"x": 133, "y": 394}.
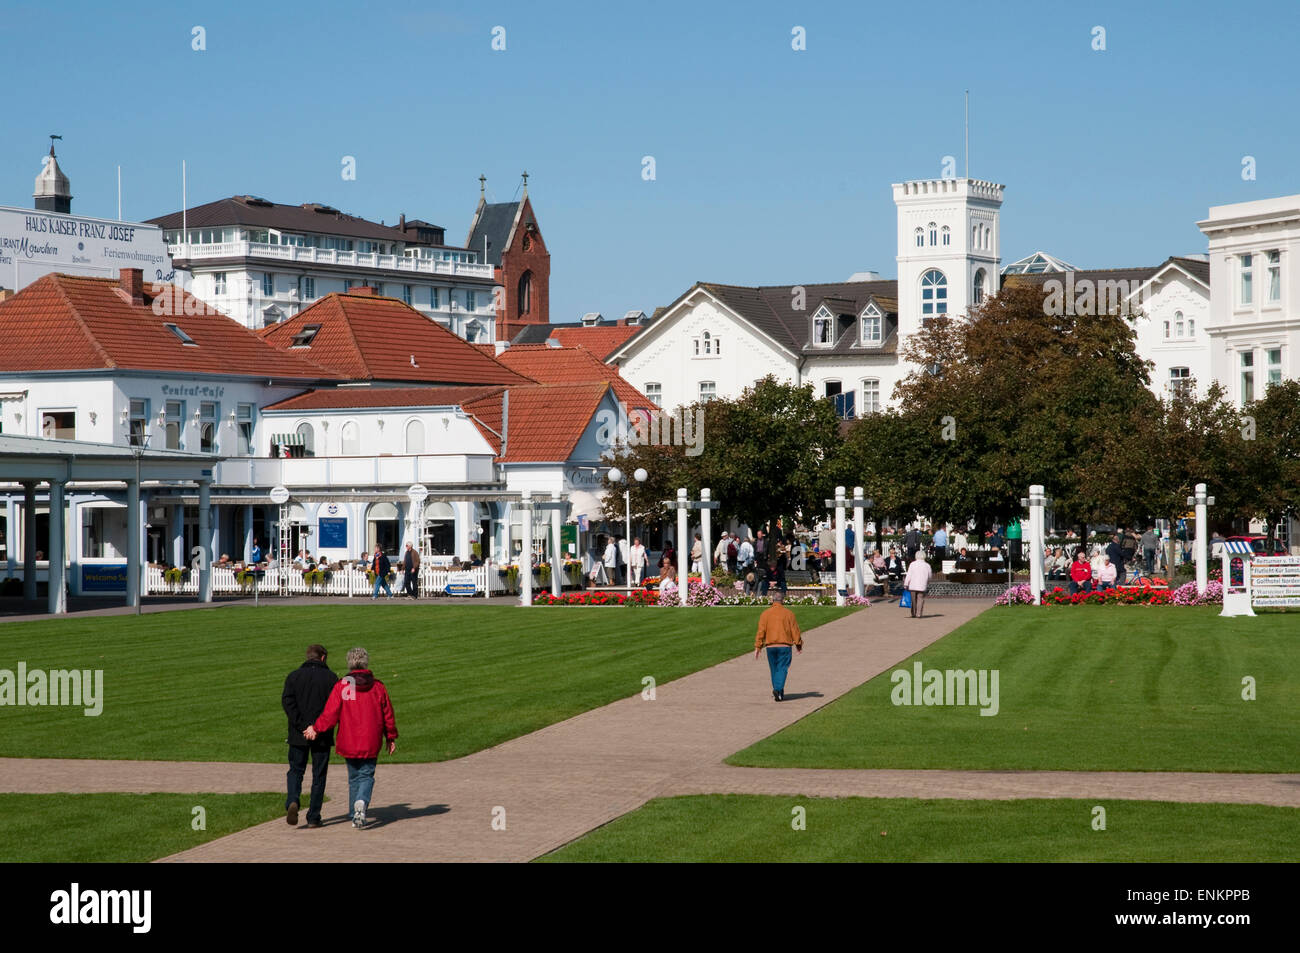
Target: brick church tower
{"x": 507, "y": 236}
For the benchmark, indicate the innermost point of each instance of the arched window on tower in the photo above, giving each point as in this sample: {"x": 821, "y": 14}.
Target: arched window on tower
{"x": 524, "y": 294}
{"x": 947, "y": 235}
{"x": 920, "y": 237}
{"x": 934, "y": 294}
{"x": 934, "y": 233}
{"x": 977, "y": 295}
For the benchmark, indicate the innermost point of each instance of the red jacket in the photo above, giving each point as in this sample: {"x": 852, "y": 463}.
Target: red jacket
{"x": 360, "y": 706}
{"x": 1080, "y": 571}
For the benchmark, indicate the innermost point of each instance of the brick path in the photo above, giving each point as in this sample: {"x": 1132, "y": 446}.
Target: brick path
{"x": 569, "y": 778}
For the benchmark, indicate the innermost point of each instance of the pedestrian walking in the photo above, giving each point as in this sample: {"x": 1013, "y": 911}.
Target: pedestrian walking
{"x": 912, "y": 542}
{"x": 941, "y": 543}
{"x": 638, "y": 559}
{"x": 381, "y": 567}
{"x": 778, "y": 632}
{"x": 306, "y": 690}
{"x": 697, "y": 555}
{"x": 411, "y": 572}
{"x": 917, "y": 581}
{"x": 360, "y": 706}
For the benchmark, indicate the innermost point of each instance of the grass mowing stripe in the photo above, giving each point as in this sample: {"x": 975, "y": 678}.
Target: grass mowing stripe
{"x": 1084, "y": 688}
{"x": 756, "y": 828}
{"x": 205, "y": 686}
{"x": 121, "y": 828}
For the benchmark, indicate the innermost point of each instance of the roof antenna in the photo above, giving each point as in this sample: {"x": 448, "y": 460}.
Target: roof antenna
{"x": 968, "y": 133}
{"x": 482, "y": 186}
{"x": 525, "y": 183}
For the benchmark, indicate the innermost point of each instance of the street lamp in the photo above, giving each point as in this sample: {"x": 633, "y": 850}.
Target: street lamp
{"x": 618, "y": 476}
{"x": 1035, "y": 503}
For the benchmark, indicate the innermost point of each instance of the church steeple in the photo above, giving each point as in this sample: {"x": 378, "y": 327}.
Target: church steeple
{"x": 53, "y": 190}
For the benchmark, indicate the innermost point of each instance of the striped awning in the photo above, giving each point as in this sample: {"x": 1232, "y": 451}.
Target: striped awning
{"x": 289, "y": 439}
{"x": 1239, "y": 546}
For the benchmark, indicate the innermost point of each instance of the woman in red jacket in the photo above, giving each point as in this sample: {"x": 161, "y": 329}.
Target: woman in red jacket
{"x": 360, "y": 706}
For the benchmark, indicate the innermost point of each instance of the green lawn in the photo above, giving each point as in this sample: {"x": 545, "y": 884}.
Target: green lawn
{"x": 1083, "y": 688}
{"x": 751, "y": 828}
{"x": 205, "y": 685}
{"x": 121, "y": 828}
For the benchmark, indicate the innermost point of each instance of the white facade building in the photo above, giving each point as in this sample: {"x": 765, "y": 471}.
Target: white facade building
{"x": 1254, "y": 321}
{"x": 262, "y": 263}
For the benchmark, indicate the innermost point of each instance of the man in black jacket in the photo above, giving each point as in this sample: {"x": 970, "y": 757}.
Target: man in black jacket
{"x": 1115, "y": 551}
{"x": 305, "y": 692}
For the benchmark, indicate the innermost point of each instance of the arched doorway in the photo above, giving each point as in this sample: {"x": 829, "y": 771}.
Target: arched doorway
{"x": 383, "y": 529}
{"x": 440, "y": 529}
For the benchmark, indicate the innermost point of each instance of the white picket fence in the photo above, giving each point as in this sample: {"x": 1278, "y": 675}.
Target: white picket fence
{"x": 340, "y": 582}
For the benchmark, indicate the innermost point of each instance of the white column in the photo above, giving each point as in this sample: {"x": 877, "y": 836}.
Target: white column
{"x": 1202, "y": 542}
{"x": 248, "y": 533}
{"x": 557, "y": 557}
{"x": 859, "y": 528}
{"x": 526, "y": 557}
{"x": 176, "y": 530}
{"x": 134, "y": 569}
{"x": 29, "y": 541}
{"x": 706, "y": 532}
{"x": 58, "y": 600}
{"x": 683, "y": 547}
{"x": 205, "y": 541}
{"x": 1037, "y": 583}
{"x": 839, "y": 546}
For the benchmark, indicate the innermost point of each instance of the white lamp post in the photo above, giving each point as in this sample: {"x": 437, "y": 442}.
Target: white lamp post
{"x": 618, "y": 476}
{"x": 839, "y": 503}
{"x": 1035, "y": 503}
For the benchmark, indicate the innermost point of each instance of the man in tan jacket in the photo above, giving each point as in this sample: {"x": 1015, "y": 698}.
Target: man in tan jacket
{"x": 778, "y": 631}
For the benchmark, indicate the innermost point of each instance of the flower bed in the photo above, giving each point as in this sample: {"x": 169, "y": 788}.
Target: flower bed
{"x": 699, "y": 595}
{"x": 1119, "y": 595}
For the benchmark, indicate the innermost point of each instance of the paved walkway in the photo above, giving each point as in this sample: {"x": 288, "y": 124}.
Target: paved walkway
{"x": 561, "y": 782}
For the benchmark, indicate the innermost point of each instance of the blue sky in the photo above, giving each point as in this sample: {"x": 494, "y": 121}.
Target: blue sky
{"x": 772, "y": 166}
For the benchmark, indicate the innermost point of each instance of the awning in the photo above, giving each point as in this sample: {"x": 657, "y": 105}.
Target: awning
{"x": 289, "y": 439}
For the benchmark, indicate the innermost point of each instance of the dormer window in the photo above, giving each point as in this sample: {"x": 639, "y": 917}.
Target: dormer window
{"x": 823, "y": 333}
{"x": 872, "y": 326}
{"x": 184, "y": 338}
{"x": 304, "y": 337}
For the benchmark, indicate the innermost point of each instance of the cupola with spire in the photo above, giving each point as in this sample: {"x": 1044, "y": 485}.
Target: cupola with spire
{"x": 53, "y": 190}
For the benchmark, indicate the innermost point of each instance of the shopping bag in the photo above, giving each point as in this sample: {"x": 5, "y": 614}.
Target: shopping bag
{"x": 906, "y": 601}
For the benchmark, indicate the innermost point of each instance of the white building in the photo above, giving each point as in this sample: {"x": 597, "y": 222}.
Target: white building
{"x": 842, "y": 337}
{"x": 48, "y": 238}
{"x": 261, "y": 263}
{"x": 1254, "y": 321}
{"x": 346, "y": 406}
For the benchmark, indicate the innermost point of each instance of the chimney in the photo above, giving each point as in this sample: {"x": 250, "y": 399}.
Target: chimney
{"x": 131, "y": 281}
{"x": 501, "y": 347}
{"x": 362, "y": 290}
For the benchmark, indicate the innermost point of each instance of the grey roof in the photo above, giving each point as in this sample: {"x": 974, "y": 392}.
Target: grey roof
{"x": 1193, "y": 266}
{"x": 493, "y": 222}
{"x": 251, "y": 211}
{"x": 771, "y": 310}
{"x": 536, "y": 333}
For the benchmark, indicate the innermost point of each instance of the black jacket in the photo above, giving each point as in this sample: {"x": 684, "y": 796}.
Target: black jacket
{"x": 385, "y": 567}
{"x": 1116, "y": 553}
{"x": 305, "y": 692}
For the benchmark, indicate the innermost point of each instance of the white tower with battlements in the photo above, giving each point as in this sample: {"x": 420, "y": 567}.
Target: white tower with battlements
{"x": 948, "y": 247}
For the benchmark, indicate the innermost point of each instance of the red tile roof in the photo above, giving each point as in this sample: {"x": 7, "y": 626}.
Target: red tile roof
{"x": 357, "y": 398}
{"x": 600, "y": 340}
{"x": 570, "y": 365}
{"x": 545, "y": 421}
{"x": 70, "y": 322}
{"x": 367, "y": 337}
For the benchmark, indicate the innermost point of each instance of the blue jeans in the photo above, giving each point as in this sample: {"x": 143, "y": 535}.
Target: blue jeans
{"x": 778, "y": 660}
{"x": 380, "y": 581}
{"x": 361, "y": 780}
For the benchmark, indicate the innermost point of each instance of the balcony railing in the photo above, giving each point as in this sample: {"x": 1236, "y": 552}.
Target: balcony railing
{"x": 299, "y": 254}
{"x": 399, "y": 471}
